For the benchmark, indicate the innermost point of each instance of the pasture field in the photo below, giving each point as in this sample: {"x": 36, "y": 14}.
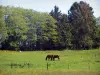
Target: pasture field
{"x": 72, "y": 62}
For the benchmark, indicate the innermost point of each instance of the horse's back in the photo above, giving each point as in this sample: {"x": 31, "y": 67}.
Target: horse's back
{"x": 52, "y": 56}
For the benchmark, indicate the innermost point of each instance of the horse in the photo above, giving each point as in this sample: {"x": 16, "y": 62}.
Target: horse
{"x": 52, "y": 57}
{"x": 56, "y": 56}
{"x": 49, "y": 57}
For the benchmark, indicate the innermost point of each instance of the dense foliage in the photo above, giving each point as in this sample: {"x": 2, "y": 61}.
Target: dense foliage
{"x": 28, "y": 29}
{"x": 83, "y": 25}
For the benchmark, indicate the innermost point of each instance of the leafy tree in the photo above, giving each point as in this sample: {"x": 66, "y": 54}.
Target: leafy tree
{"x": 83, "y": 25}
{"x": 63, "y": 28}
{"x": 16, "y": 28}
{"x": 46, "y": 31}
{"x": 97, "y": 39}
{"x": 41, "y": 29}
{"x": 3, "y": 30}
{"x": 29, "y": 29}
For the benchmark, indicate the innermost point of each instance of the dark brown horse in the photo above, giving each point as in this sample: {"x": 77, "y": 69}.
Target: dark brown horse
{"x": 49, "y": 57}
{"x": 56, "y": 56}
{"x": 52, "y": 57}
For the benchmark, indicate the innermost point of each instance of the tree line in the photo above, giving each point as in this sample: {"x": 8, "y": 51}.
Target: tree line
{"x": 27, "y": 29}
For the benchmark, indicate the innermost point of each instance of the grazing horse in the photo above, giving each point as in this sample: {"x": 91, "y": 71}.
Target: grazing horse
{"x": 49, "y": 57}
{"x": 52, "y": 57}
{"x": 56, "y": 56}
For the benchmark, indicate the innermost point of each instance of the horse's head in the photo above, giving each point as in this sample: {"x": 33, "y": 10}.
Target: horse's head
{"x": 46, "y": 58}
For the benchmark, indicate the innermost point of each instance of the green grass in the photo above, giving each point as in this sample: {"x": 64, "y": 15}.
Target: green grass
{"x": 84, "y": 62}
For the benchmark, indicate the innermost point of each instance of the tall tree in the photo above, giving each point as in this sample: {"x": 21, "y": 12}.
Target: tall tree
{"x": 63, "y": 28}
{"x": 16, "y": 27}
{"x": 3, "y": 30}
{"x": 46, "y": 31}
{"x": 83, "y": 25}
{"x": 97, "y": 39}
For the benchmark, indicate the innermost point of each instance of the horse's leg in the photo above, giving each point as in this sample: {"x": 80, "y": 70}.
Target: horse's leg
{"x": 46, "y": 58}
{"x": 51, "y": 58}
{"x": 58, "y": 58}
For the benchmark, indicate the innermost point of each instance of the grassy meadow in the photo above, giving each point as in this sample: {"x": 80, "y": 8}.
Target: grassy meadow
{"x": 84, "y": 62}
